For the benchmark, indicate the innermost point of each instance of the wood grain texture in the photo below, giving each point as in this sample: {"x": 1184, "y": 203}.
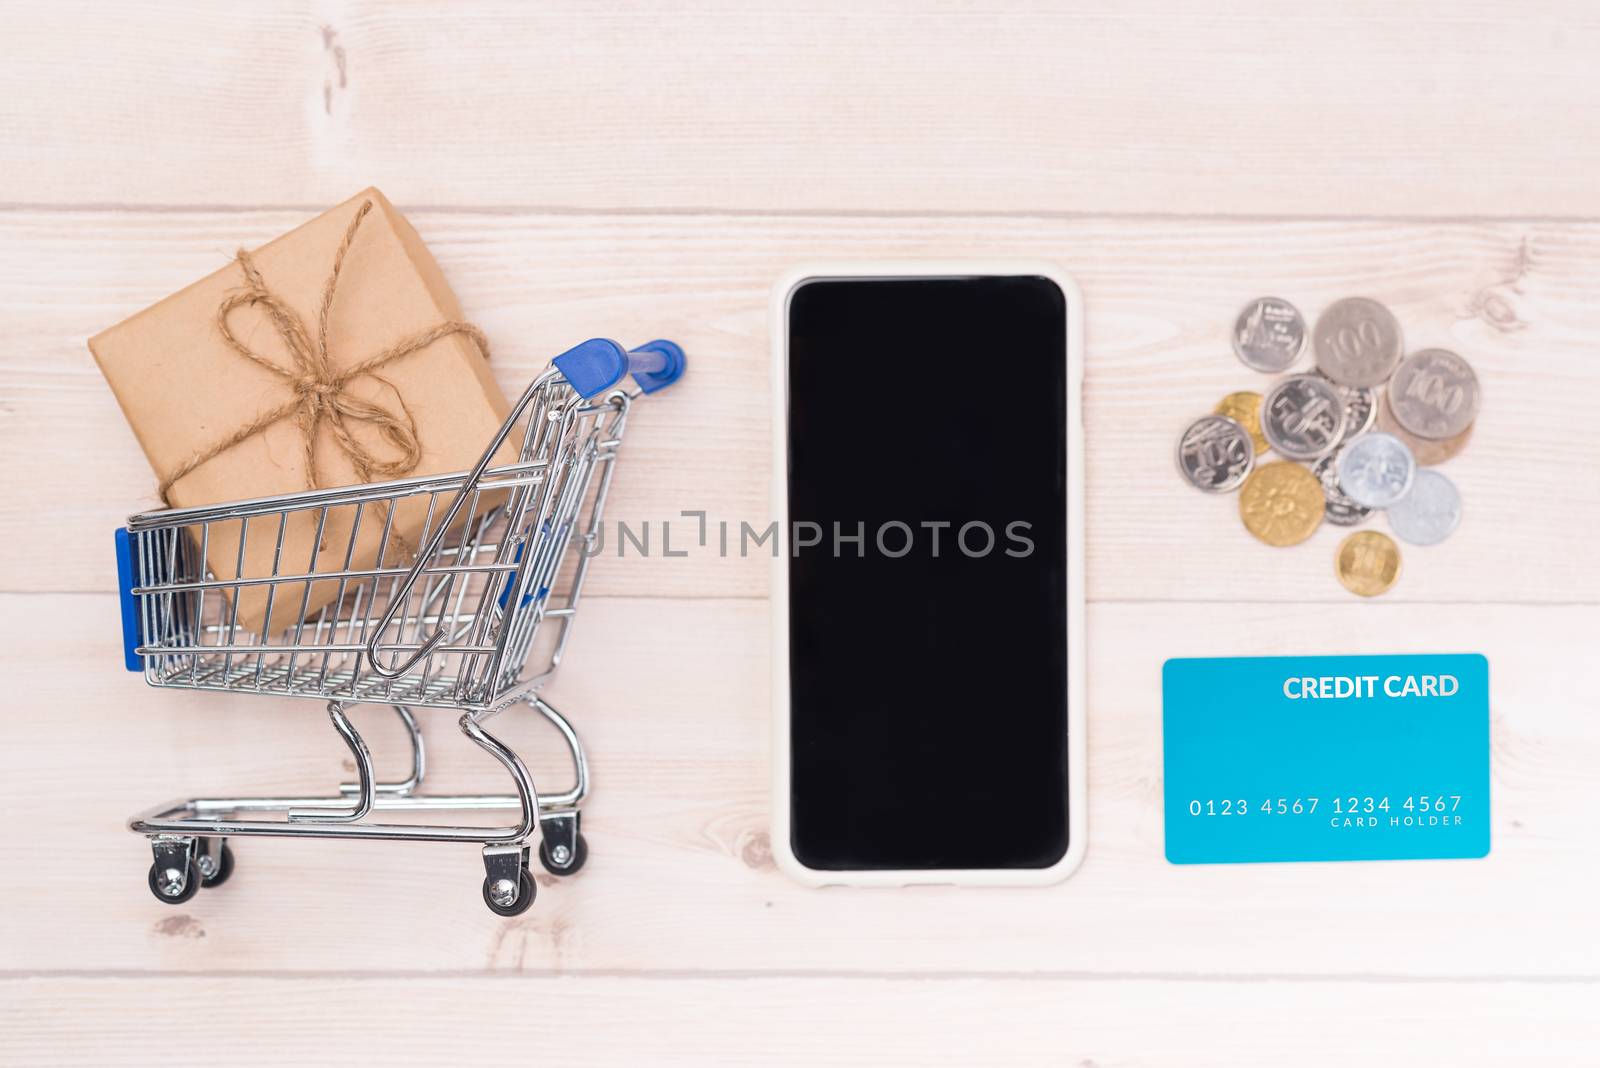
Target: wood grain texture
{"x": 725, "y": 1021}
{"x": 671, "y": 696}
{"x": 1441, "y": 108}
{"x": 1517, "y": 299}
{"x": 638, "y": 170}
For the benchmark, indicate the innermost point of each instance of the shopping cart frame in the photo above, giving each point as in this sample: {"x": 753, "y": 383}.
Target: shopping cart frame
{"x": 557, "y": 489}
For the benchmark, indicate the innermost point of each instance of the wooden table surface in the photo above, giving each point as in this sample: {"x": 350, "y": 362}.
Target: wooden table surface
{"x": 648, "y": 171}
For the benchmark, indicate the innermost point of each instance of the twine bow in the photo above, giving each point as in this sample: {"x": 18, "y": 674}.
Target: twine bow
{"x": 319, "y": 392}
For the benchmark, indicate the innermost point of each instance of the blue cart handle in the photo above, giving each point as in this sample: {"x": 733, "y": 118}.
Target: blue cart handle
{"x": 599, "y": 364}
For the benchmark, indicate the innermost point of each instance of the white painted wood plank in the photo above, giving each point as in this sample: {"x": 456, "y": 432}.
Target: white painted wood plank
{"x": 1440, "y": 108}
{"x": 1515, "y": 298}
{"x": 1135, "y": 1023}
{"x": 672, "y": 699}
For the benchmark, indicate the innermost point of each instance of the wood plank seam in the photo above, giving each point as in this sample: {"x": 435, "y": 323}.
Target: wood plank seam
{"x": 741, "y": 974}
{"x": 866, "y": 214}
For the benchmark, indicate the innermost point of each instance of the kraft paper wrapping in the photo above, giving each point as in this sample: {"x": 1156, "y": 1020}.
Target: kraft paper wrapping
{"x": 183, "y": 389}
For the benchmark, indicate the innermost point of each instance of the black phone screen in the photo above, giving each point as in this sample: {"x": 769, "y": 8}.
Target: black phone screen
{"x": 927, "y": 561}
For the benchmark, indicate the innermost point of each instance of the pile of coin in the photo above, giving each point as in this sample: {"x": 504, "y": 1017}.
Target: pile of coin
{"x": 1361, "y": 433}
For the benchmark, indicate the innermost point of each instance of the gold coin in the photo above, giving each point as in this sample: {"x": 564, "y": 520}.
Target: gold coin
{"x": 1244, "y": 408}
{"x": 1281, "y": 503}
{"x": 1427, "y": 450}
{"x": 1367, "y": 562}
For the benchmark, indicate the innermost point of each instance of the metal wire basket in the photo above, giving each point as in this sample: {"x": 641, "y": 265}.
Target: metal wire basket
{"x": 453, "y": 622}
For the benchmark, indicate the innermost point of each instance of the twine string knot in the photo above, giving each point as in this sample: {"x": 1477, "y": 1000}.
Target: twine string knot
{"x": 319, "y": 394}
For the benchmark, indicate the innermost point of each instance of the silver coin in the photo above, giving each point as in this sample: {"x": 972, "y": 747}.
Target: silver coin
{"x": 1360, "y": 407}
{"x": 1376, "y": 469}
{"x": 1269, "y": 335}
{"x": 1302, "y": 417}
{"x": 1215, "y": 454}
{"x": 1338, "y": 508}
{"x": 1428, "y": 514}
{"x": 1434, "y": 394}
{"x": 1357, "y": 342}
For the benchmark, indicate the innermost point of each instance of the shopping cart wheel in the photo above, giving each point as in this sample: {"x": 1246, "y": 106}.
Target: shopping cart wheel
{"x": 497, "y": 894}
{"x": 574, "y": 857}
{"x": 221, "y": 867}
{"x": 164, "y": 882}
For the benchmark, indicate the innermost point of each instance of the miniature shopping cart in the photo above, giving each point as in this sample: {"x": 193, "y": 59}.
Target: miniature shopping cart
{"x": 463, "y": 627}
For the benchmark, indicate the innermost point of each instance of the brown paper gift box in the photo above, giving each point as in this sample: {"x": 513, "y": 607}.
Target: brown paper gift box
{"x": 184, "y": 389}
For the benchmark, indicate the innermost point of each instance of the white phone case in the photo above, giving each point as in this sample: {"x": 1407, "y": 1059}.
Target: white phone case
{"x": 1077, "y": 791}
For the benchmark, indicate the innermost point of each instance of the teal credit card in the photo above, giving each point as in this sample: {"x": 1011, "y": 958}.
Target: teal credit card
{"x": 1326, "y": 758}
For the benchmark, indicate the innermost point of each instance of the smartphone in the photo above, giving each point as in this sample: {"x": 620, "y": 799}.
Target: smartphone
{"x": 928, "y": 596}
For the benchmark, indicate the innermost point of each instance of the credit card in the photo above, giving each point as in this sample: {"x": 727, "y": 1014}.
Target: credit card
{"x": 1326, "y": 758}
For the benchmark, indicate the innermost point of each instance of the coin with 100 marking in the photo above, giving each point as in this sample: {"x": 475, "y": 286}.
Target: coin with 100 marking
{"x": 1357, "y": 342}
{"x": 1434, "y": 394}
{"x": 1215, "y": 453}
{"x": 1427, "y": 452}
